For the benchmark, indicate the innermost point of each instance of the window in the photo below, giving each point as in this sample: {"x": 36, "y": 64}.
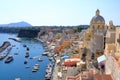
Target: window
{"x": 93, "y": 27}
{"x": 98, "y": 26}
{"x": 103, "y": 27}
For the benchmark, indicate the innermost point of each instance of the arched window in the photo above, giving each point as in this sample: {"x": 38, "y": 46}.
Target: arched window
{"x": 98, "y": 26}
{"x": 93, "y": 27}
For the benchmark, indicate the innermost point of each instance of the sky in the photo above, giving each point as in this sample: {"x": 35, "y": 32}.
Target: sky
{"x": 58, "y": 12}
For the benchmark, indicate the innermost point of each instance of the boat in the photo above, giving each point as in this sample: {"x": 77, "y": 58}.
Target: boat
{"x": 24, "y": 45}
{"x": 49, "y": 70}
{"x": 15, "y": 39}
{"x": 36, "y": 67}
{"x": 27, "y": 54}
{"x": 27, "y": 66}
{"x": 2, "y": 56}
{"x": 16, "y": 53}
{"x": 17, "y": 78}
{"x": 31, "y": 57}
{"x": 25, "y": 62}
{"x": 51, "y": 58}
{"x": 9, "y": 59}
{"x": 27, "y": 48}
{"x": 48, "y": 76}
{"x": 34, "y": 70}
{"x": 45, "y": 53}
{"x": 40, "y": 59}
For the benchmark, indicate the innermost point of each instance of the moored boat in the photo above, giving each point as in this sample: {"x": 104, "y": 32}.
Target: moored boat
{"x": 27, "y": 48}
{"x": 2, "y": 56}
{"x": 17, "y": 78}
{"x": 16, "y": 53}
{"x": 48, "y": 76}
{"x": 27, "y": 54}
{"x": 27, "y": 66}
{"x": 36, "y": 67}
{"x": 25, "y": 62}
{"x": 9, "y": 59}
{"x": 40, "y": 59}
{"x": 24, "y": 45}
{"x": 45, "y": 53}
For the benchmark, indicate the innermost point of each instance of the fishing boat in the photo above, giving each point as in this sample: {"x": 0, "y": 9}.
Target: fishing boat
{"x": 2, "y": 56}
{"x": 40, "y": 59}
{"x": 27, "y": 48}
{"x": 27, "y": 66}
{"x": 25, "y": 62}
{"x": 36, "y": 67}
{"x": 48, "y": 76}
{"x": 27, "y": 54}
{"x": 45, "y": 53}
{"x": 9, "y": 59}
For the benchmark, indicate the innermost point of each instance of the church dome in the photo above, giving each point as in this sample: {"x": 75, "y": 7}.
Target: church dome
{"x": 97, "y": 18}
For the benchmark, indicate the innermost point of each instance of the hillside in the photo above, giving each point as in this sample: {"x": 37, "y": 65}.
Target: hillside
{"x": 17, "y": 24}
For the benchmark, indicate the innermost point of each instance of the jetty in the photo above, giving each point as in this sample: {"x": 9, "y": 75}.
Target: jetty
{"x": 15, "y": 39}
{"x": 4, "y": 46}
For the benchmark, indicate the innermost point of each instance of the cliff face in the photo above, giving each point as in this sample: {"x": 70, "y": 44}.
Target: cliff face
{"x": 28, "y": 33}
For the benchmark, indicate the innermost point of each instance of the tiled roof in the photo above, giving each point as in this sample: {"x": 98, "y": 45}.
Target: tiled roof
{"x": 102, "y": 77}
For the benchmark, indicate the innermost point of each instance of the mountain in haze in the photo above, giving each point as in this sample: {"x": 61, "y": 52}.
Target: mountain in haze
{"x": 17, "y": 24}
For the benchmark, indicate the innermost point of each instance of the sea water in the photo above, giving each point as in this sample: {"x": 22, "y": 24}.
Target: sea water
{"x": 17, "y": 68}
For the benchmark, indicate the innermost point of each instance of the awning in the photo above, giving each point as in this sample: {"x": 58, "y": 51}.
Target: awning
{"x": 101, "y": 58}
{"x": 69, "y": 63}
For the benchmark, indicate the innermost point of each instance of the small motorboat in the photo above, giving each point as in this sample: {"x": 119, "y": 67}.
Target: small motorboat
{"x": 9, "y": 59}
{"x": 40, "y": 59}
{"x": 25, "y": 62}
{"x": 24, "y": 45}
{"x": 27, "y": 66}
{"x": 17, "y": 78}
{"x": 27, "y": 54}
{"x": 31, "y": 57}
{"x": 27, "y": 48}
{"x": 45, "y": 53}
{"x": 16, "y": 53}
{"x": 36, "y": 67}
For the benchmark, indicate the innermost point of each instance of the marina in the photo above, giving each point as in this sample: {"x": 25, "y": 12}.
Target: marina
{"x": 17, "y": 70}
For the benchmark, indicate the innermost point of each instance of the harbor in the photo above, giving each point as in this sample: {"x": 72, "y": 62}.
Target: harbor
{"x": 20, "y": 68}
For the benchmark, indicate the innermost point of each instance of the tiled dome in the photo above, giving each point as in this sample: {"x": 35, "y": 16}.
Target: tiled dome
{"x": 97, "y": 18}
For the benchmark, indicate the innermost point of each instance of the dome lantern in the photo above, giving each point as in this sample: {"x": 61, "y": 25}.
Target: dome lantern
{"x": 97, "y": 18}
{"x": 97, "y": 12}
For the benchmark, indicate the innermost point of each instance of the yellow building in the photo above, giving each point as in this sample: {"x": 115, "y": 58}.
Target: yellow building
{"x": 97, "y": 22}
{"x": 112, "y": 52}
